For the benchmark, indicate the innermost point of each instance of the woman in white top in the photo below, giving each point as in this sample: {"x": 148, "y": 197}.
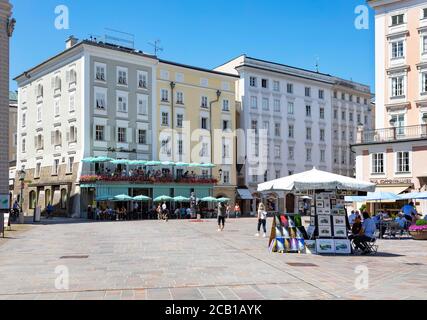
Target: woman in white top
{"x": 262, "y": 220}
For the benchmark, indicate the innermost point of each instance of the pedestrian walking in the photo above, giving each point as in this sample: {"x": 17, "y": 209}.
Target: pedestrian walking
{"x": 221, "y": 217}
{"x": 49, "y": 211}
{"x": 237, "y": 210}
{"x": 262, "y": 220}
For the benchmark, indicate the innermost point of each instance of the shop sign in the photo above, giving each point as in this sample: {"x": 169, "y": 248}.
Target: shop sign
{"x": 391, "y": 181}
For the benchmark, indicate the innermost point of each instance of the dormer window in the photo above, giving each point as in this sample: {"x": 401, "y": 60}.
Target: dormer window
{"x": 100, "y": 72}
{"x": 397, "y": 19}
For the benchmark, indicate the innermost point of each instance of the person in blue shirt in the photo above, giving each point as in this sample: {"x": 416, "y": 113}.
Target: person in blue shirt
{"x": 367, "y": 233}
{"x": 408, "y": 210}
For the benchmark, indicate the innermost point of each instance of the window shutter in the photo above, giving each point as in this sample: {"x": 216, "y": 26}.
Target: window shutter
{"x": 52, "y": 136}
{"x": 60, "y": 138}
{"x": 75, "y": 134}
{"x": 42, "y": 144}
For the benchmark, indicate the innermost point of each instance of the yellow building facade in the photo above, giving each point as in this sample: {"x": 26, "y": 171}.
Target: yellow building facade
{"x": 196, "y": 123}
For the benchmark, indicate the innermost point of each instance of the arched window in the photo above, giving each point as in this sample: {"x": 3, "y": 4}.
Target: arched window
{"x": 63, "y": 199}
{"x": 33, "y": 200}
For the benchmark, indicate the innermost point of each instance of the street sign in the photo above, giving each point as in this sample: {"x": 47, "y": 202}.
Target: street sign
{"x": 4, "y": 202}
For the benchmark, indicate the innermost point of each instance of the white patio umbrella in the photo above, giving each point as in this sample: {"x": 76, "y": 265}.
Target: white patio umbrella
{"x": 414, "y": 196}
{"x": 316, "y": 179}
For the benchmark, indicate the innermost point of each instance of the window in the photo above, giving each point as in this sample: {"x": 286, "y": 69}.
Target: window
{"x": 336, "y": 155}
{"x": 424, "y": 82}
{"x": 366, "y": 120}
{"x": 399, "y": 123}
{"x": 142, "y": 136}
{"x": 397, "y": 19}
{"x": 33, "y": 200}
{"x": 351, "y": 135}
{"x": 122, "y": 103}
{"x": 343, "y": 157}
{"x": 100, "y": 98}
{"x": 350, "y": 116}
{"x": 72, "y": 76}
{"x": 321, "y": 94}
{"x": 122, "y": 76}
{"x": 205, "y": 150}
{"x": 308, "y": 111}
{"x": 397, "y": 49}
{"x": 165, "y": 119}
{"x": 278, "y": 174}
{"x": 290, "y": 88}
{"x": 343, "y": 115}
{"x": 39, "y": 113}
{"x": 291, "y": 153}
{"x": 277, "y": 130}
{"x": 291, "y": 131}
{"x": 277, "y": 106}
{"x": 359, "y": 118}
{"x": 425, "y": 13}
{"x": 277, "y": 152}
{"x": 336, "y": 114}
{"x": 308, "y": 133}
{"x": 72, "y": 134}
{"x": 378, "y": 163}
{"x": 99, "y": 133}
{"x": 38, "y": 170}
{"x": 121, "y": 135}
{"x": 72, "y": 102}
{"x": 397, "y": 86}
{"x": 100, "y": 72}
{"x": 164, "y": 74}
{"x": 335, "y": 94}
{"x": 365, "y": 102}
{"x": 204, "y": 123}
{"x": 164, "y": 95}
{"x": 55, "y": 167}
{"x": 343, "y": 135}
{"x": 425, "y": 44}
{"x": 179, "y": 97}
{"x": 266, "y": 127}
{"x": 204, "y": 102}
{"x": 350, "y": 98}
{"x": 24, "y": 146}
{"x": 56, "y": 138}
{"x": 24, "y": 119}
{"x": 322, "y": 135}
{"x": 39, "y": 90}
{"x": 343, "y": 96}
{"x": 142, "y": 79}
{"x": 402, "y": 162}
{"x": 225, "y": 150}
{"x": 322, "y": 156}
{"x": 265, "y": 104}
{"x": 226, "y": 177}
{"x": 180, "y": 147}
{"x": 254, "y": 102}
{"x": 307, "y": 91}
{"x": 164, "y": 147}
{"x": 225, "y": 105}
{"x": 322, "y": 113}
{"x": 70, "y": 165}
{"x": 308, "y": 155}
{"x": 256, "y": 149}
{"x": 264, "y": 83}
{"x": 336, "y": 137}
{"x": 179, "y": 120}
{"x": 142, "y": 106}
{"x": 276, "y": 86}
{"x": 291, "y": 108}
{"x": 56, "y": 108}
{"x": 358, "y": 99}
{"x": 225, "y": 125}
{"x": 254, "y": 126}
{"x": 39, "y": 142}
{"x": 56, "y": 83}
{"x": 253, "y": 82}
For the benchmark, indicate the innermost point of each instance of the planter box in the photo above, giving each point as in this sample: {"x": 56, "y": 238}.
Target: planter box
{"x": 419, "y": 235}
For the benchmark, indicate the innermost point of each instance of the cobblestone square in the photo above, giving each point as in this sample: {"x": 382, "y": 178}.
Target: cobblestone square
{"x": 183, "y": 260}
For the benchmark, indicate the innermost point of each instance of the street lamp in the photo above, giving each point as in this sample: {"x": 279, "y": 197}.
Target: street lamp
{"x": 22, "y": 174}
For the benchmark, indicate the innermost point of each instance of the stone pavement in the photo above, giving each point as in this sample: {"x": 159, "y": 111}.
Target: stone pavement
{"x": 187, "y": 260}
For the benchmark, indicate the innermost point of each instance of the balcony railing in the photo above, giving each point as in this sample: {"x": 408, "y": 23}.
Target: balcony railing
{"x": 148, "y": 178}
{"x": 393, "y": 134}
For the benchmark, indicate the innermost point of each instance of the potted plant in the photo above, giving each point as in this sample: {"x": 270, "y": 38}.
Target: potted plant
{"x": 419, "y": 230}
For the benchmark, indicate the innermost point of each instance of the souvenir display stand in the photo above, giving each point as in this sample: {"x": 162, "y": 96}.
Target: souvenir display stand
{"x": 328, "y": 229}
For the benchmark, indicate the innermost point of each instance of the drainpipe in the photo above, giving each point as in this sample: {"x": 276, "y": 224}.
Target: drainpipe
{"x": 218, "y": 95}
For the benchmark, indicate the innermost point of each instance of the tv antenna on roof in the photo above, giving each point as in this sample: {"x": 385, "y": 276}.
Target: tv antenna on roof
{"x": 317, "y": 64}
{"x": 156, "y": 46}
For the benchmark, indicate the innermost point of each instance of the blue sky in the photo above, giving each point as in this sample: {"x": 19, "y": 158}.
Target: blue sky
{"x": 207, "y": 33}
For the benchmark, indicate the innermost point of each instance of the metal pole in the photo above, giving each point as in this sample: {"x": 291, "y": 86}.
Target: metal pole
{"x": 21, "y": 212}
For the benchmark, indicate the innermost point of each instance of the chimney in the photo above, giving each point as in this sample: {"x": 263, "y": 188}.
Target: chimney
{"x": 71, "y": 42}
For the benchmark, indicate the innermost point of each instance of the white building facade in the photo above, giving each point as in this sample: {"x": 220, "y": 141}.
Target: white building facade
{"x": 297, "y": 111}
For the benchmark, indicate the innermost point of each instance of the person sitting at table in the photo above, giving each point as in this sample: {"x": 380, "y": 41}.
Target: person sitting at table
{"x": 408, "y": 210}
{"x": 356, "y": 227}
{"x": 367, "y": 234}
